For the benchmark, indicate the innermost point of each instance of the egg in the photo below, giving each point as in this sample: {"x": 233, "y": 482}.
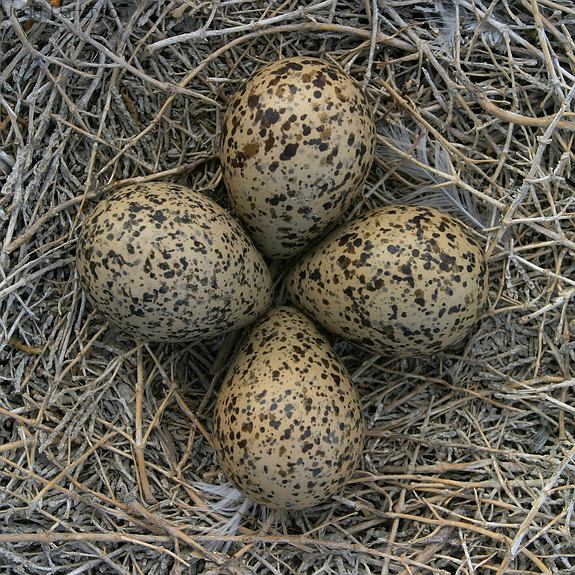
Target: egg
{"x": 288, "y": 426}
{"x": 165, "y": 263}
{"x": 399, "y": 280}
{"x": 297, "y": 143}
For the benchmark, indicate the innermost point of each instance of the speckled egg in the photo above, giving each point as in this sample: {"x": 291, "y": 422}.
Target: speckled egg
{"x": 297, "y": 143}
{"x": 165, "y": 263}
{"x": 400, "y": 280}
{"x": 288, "y": 426}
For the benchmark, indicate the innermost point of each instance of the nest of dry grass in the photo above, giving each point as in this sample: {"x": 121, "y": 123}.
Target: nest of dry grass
{"x": 105, "y": 460}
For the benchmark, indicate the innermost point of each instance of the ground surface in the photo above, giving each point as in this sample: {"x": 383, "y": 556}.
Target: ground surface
{"x": 468, "y": 466}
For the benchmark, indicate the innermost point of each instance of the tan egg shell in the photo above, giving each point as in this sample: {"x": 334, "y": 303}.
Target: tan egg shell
{"x": 297, "y": 143}
{"x": 168, "y": 264}
{"x": 288, "y": 426}
{"x": 403, "y": 280}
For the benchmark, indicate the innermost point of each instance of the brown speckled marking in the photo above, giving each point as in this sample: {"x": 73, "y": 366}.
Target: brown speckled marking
{"x": 168, "y": 264}
{"x": 296, "y": 146}
{"x": 288, "y": 427}
{"x": 402, "y": 280}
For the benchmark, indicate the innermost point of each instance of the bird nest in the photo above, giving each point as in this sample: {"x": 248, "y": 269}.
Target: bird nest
{"x": 106, "y": 464}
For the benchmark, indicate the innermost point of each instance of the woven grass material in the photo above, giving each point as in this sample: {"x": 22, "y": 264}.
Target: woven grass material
{"x": 105, "y": 458}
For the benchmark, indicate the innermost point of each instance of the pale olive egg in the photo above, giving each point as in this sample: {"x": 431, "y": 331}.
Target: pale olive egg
{"x": 296, "y": 146}
{"x": 165, "y": 263}
{"x": 288, "y": 426}
{"x": 400, "y": 280}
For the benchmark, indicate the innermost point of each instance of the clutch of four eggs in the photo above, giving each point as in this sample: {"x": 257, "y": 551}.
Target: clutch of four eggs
{"x": 165, "y": 263}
